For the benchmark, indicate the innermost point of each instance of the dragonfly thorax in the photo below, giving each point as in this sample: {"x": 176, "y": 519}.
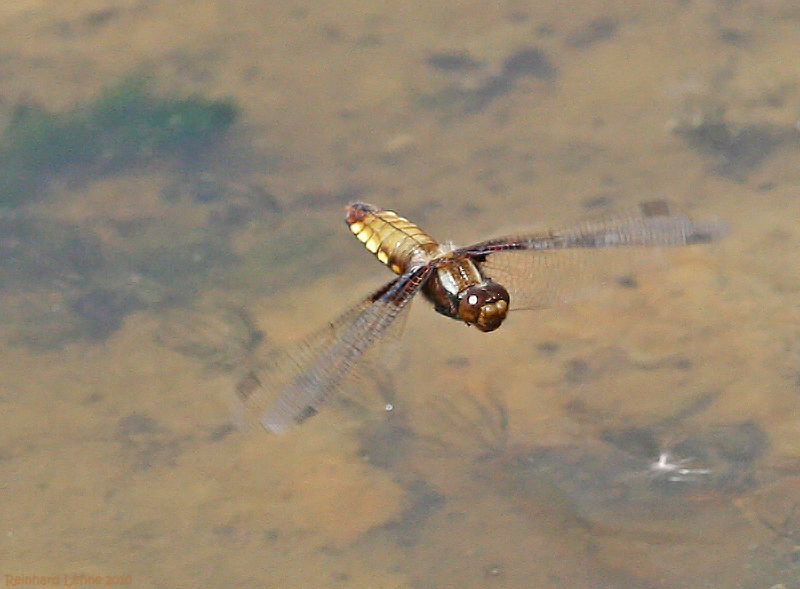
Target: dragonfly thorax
{"x": 459, "y": 290}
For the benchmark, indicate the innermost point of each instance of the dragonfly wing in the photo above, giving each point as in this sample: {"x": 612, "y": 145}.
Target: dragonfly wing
{"x": 554, "y": 267}
{"x": 298, "y": 380}
{"x": 550, "y": 278}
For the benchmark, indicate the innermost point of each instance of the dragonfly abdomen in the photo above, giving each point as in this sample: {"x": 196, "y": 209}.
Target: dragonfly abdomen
{"x": 393, "y": 239}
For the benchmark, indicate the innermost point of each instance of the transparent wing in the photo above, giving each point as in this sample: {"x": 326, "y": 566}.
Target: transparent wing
{"x": 298, "y": 380}
{"x": 553, "y": 267}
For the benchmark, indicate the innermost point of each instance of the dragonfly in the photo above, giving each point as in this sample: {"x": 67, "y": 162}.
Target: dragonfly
{"x": 478, "y": 284}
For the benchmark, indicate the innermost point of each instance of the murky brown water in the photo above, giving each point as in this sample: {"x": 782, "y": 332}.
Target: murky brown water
{"x": 524, "y": 458}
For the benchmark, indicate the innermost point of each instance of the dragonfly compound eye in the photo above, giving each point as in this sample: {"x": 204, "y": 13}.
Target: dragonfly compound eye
{"x": 484, "y": 305}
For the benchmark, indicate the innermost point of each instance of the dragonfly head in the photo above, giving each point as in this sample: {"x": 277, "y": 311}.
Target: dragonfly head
{"x": 484, "y": 305}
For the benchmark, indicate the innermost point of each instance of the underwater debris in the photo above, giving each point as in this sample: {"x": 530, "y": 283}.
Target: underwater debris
{"x": 739, "y": 150}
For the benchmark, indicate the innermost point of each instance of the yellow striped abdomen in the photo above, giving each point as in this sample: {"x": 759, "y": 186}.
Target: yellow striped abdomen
{"x": 393, "y": 239}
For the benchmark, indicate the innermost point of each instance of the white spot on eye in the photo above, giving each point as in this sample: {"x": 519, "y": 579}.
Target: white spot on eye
{"x": 473, "y": 300}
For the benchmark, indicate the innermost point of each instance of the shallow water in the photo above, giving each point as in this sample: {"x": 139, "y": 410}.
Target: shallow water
{"x": 133, "y": 302}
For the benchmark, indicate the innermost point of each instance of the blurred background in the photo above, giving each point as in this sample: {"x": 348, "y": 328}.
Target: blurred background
{"x": 171, "y": 209}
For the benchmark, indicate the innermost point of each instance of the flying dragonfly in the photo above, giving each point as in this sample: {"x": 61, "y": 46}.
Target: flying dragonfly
{"x": 477, "y": 284}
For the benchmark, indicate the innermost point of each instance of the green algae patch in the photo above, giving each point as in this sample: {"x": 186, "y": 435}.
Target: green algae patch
{"x": 125, "y": 126}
